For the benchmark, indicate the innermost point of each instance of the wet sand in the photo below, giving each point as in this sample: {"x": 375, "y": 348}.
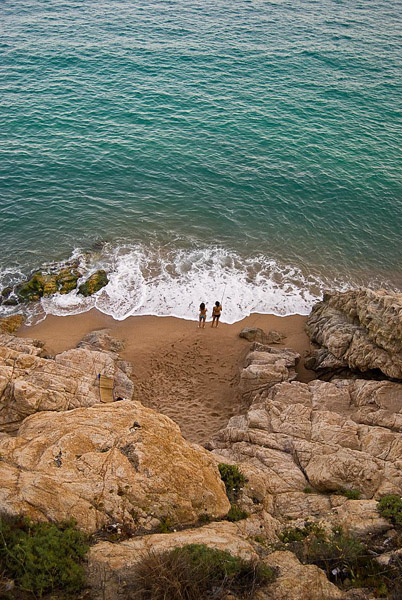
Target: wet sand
{"x": 189, "y": 374}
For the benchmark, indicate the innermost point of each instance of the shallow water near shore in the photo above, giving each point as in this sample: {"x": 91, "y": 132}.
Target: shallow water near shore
{"x": 200, "y": 150}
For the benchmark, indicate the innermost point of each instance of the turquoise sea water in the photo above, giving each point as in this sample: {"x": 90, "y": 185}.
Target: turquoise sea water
{"x": 250, "y": 148}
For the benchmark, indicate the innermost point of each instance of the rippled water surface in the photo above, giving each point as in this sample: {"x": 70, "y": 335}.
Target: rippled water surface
{"x": 250, "y": 147}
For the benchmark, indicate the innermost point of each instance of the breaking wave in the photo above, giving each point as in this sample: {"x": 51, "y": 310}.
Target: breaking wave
{"x": 166, "y": 282}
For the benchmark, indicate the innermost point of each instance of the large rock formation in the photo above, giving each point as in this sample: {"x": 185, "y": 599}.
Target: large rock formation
{"x": 266, "y": 366}
{"x": 120, "y": 469}
{"x": 320, "y": 437}
{"x": 29, "y": 382}
{"x": 359, "y": 329}
{"x": 115, "y": 464}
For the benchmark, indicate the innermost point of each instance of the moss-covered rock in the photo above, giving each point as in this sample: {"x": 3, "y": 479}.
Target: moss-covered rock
{"x": 11, "y": 324}
{"x": 32, "y": 289}
{"x": 46, "y": 284}
{"x": 40, "y": 284}
{"x": 95, "y": 283}
{"x": 7, "y": 298}
{"x": 5, "y": 292}
{"x": 49, "y": 285}
{"x": 67, "y": 279}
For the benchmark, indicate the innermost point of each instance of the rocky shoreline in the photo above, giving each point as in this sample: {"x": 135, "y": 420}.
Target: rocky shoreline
{"x": 42, "y": 284}
{"x": 315, "y": 458}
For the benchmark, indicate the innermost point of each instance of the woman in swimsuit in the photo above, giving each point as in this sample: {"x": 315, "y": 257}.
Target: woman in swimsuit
{"x": 203, "y": 315}
{"x": 216, "y": 313}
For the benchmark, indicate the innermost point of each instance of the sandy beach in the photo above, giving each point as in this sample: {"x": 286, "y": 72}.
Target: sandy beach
{"x": 187, "y": 373}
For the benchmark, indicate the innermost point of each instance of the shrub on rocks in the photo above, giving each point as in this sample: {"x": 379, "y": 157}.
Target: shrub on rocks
{"x": 390, "y": 507}
{"x": 233, "y": 479}
{"x": 349, "y": 494}
{"x": 236, "y": 514}
{"x": 42, "y": 557}
{"x": 344, "y": 558}
{"x": 194, "y": 572}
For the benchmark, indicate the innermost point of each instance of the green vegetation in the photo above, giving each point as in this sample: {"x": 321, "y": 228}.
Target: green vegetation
{"x": 165, "y": 525}
{"x": 344, "y": 558}
{"x": 390, "y": 507}
{"x": 298, "y": 534}
{"x": 42, "y": 557}
{"x": 308, "y": 490}
{"x": 195, "y": 572}
{"x": 350, "y": 494}
{"x": 236, "y": 513}
{"x": 204, "y": 518}
{"x": 233, "y": 479}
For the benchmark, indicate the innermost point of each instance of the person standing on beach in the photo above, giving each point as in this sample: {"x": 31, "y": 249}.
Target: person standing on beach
{"x": 216, "y": 313}
{"x": 203, "y": 315}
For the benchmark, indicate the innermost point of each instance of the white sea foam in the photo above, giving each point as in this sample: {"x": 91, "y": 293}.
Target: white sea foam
{"x": 149, "y": 281}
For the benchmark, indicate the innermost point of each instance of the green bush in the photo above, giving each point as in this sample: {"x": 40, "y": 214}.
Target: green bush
{"x": 166, "y": 525}
{"x": 195, "y": 572}
{"x": 236, "y": 513}
{"x": 298, "y": 534}
{"x": 204, "y": 518}
{"x": 42, "y": 557}
{"x": 350, "y": 494}
{"x": 233, "y": 479}
{"x": 390, "y": 507}
{"x": 344, "y": 558}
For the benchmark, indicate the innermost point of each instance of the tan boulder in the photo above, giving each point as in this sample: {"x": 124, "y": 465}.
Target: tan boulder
{"x": 111, "y": 463}
{"x": 298, "y": 442}
{"x": 335, "y": 468}
{"x": 297, "y": 581}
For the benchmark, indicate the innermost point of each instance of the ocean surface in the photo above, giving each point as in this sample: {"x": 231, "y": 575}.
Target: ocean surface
{"x": 249, "y": 150}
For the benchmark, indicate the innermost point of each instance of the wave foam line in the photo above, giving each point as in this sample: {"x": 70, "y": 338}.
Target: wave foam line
{"x": 144, "y": 281}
